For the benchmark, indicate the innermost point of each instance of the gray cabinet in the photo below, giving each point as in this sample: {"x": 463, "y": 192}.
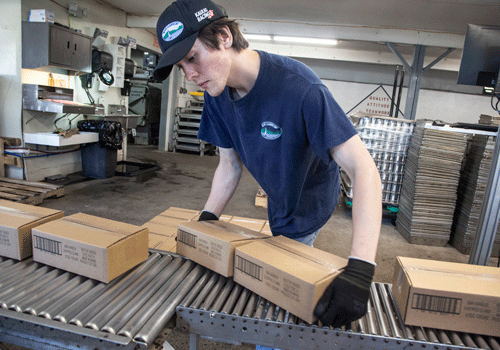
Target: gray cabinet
{"x": 49, "y": 45}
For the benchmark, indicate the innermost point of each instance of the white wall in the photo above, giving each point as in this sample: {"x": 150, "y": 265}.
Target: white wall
{"x": 99, "y": 15}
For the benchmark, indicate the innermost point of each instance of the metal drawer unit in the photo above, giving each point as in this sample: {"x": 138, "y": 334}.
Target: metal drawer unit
{"x": 387, "y": 139}
{"x": 47, "y": 308}
{"x": 187, "y": 124}
{"x": 226, "y": 312}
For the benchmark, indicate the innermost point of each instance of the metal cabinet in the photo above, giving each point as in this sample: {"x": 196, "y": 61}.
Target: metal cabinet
{"x": 49, "y": 45}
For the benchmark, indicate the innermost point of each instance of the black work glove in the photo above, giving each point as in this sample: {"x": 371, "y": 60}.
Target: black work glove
{"x": 207, "y": 215}
{"x": 346, "y": 298}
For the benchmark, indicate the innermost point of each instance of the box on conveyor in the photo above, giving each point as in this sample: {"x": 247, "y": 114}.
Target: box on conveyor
{"x": 90, "y": 246}
{"x": 290, "y": 274}
{"x": 450, "y": 296}
{"x": 212, "y": 243}
{"x": 16, "y": 223}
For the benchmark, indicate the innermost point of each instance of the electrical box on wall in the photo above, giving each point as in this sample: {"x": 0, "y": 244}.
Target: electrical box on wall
{"x": 76, "y": 11}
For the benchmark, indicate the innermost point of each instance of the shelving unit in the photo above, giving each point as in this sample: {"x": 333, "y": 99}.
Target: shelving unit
{"x": 187, "y": 124}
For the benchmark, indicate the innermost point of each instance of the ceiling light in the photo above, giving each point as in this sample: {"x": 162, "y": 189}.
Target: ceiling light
{"x": 301, "y": 40}
{"x": 257, "y": 37}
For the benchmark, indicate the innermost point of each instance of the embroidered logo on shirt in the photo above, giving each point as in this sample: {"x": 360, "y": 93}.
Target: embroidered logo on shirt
{"x": 270, "y": 131}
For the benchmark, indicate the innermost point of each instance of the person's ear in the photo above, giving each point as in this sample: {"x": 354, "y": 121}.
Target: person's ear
{"x": 226, "y": 38}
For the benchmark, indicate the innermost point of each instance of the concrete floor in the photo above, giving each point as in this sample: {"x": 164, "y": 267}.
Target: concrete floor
{"x": 184, "y": 181}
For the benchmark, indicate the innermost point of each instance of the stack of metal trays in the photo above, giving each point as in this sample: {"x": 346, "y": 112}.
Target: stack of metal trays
{"x": 387, "y": 139}
{"x": 430, "y": 183}
{"x": 471, "y": 190}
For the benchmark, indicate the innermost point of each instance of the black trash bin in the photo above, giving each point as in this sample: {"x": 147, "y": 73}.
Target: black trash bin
{"x": 98, "y": 162}
{"x": 99, "y": 159}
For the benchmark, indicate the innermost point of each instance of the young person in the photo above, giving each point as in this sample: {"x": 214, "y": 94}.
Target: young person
{"x": 273, "y": 115}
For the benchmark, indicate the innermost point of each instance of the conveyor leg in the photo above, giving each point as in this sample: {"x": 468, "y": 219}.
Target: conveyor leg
{"x": 194, "y": 340}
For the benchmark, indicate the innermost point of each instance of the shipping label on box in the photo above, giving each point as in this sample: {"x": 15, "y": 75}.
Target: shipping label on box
{"x": 90, "y": 246}
{"x": 212, "y": 243}
{"x": 16, "y": 223}
{"x": 450, "y": 296}
{"x": 290, "y": 274}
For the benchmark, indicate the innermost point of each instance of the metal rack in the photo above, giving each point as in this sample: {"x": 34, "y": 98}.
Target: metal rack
{"x": 187, "y": 124}
{"x": 46, "y": 308}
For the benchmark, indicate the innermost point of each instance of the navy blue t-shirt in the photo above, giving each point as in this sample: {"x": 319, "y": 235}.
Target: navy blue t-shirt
{"x": 283, "y": 130}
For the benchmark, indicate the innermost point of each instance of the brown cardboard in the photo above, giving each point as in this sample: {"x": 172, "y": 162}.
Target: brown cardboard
{"x": 180, "y": 213}
{"x": 16, "y": 223}
{"x": 212, "y": 243}
{"x": 290, "y": 274}
{"x": 90, "y": 246}
{"x": 252, "y": 224}
{"x": 161, "y": 242}
{"x": 451, "y": 296}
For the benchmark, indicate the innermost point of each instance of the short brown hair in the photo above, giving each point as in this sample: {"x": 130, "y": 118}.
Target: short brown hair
{"x": 208, "y": 34}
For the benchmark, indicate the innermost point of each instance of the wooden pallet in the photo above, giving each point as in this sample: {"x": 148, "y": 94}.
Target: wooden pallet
{"x": 28, "y": 192}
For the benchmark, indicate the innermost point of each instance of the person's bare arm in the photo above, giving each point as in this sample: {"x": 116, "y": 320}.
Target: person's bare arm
{"x": 353, "y": 157}
{"x": 226, "y": 179}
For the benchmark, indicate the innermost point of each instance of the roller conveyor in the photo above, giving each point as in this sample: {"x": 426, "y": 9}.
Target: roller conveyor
{"x": 47, "y": 308}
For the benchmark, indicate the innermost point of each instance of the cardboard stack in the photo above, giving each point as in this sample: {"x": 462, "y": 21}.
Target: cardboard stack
{"x": 90, "y": 246}
{"x": 16, "y": 223}
{"x": 450, "y": 296}
{"x": 489, "y": 120}
{"x": 430, "y": 182}
{"x": 471, "y": 191}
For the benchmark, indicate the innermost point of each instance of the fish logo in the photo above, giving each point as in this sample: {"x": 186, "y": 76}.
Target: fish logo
{"x": 172, "y": 31}
{"x": 270, "y": 131}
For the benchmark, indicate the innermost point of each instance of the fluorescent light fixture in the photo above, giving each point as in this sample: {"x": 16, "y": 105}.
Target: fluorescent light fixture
{"x": 291, "y": 39}
{"x": 301, "y": 40}
{"x": 257, "y": 37}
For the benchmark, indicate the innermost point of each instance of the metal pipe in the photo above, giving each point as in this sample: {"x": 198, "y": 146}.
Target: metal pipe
{"x": 211, "y": 296}
{"x": 221, "y": 298}
{"x": 66, "y": 300}
{"x": 20, "y": 284}
{"x": 378, "y": 311}
{"x": 292, "y": 319}
{"x": 148, "y": 309}
{"x": 370, "y": 319}
{"x": 419, "y": 334}
{"x": 155, "y": 324}
{"x": 117, "y": 303}
{"x": 133, "y": 305}
{"x": 455, "y": 339}
{"x": 270, "y": 312}
{"x": 493, "y": 343}
{"x": 104, "y": 299}
{"x": 196, "y": 289}
{"x": 468, "y": 341}
{"x": 208, "y": 287}
{"x": 74, "y": 309}
{"x": 41, "y": 292}
{"x": 250, "y": 305}
{"x": 259, "y": 311}
{"x": 19, "y": 293}
{"x": 231, "y": 300}
{"x": 6, "y": 264}
{"x": 21, "y": 275}
{"x": 281, "y": 315}
{"x": 242, "y": 301}
{"x": 443, "y": 337}
{"x": 394, "y": 86}
{"x": 481, "y": 343}
{"x": 431, "y": 335}
{"x": 388, "y": 310}
{"x": 15, "y": 269}
{"x": 400, "y": 92}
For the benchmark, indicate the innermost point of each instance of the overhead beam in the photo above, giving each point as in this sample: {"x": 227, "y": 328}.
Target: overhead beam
{"x": 331, "y": 31}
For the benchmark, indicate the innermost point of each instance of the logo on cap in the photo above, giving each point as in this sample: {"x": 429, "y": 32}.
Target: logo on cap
{"x": 172, "y": 31}
{"x": 204, "y": 13}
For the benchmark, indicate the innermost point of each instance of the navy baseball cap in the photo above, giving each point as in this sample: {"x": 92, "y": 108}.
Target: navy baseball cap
{"x": 177, "y": 30}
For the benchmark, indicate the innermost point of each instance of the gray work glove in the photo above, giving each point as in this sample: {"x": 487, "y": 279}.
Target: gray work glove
{"x": 345, "y": 299}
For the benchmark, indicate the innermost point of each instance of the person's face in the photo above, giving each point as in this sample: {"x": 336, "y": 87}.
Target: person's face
{"x": 206, "y": 67}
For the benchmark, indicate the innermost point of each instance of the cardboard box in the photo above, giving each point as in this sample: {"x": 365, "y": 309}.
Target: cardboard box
{"x": 41, "y": 15}
{"x": 290, "y": 274}
{"x": 252, "y": 224}
{"x": 90, "y": 246}
{"x": 212, "y": 243}
{"x": 16, "y": 223}
{"x": 161, "y": 242}
{"x": 450, "y": 296}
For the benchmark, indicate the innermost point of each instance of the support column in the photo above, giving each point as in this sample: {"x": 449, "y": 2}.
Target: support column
{"x": 414, "y": 82}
